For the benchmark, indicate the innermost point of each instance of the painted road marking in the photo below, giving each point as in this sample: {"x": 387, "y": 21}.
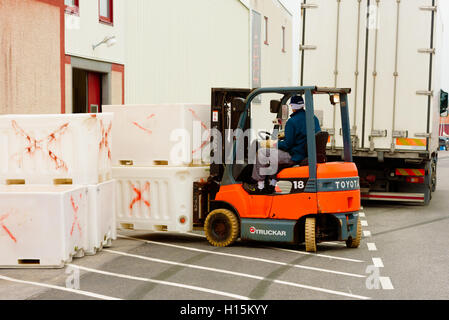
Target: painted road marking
{"x": 300, "y": 252}
{"x": 316, "y": 255}
{"x": 371, "y": 246}
{"x": 167, "y": 283}
{"x": 386, "y": 284}
{"x": 364, "y": 223}
{"x": 367, "y": 234}
{"x": 248, "y": 258}
{"x": 338, "y": 244}
{"x": 80, "y": 292}
{"x": 196, "y": 234}
{"x": 286, "y": 250}
{"x": 378, "y": 262}
{"x": 239, "y": 274}
{"x": 362, "y": 214}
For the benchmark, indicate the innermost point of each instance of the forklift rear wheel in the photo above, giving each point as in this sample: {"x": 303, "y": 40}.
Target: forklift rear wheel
{"x": 355, "y": 243}
{"x": 221, "y": 227}
{"x": 310, "y": 235}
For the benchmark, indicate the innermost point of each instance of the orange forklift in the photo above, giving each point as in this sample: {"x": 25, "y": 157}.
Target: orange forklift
{"x": 315, "y": 201}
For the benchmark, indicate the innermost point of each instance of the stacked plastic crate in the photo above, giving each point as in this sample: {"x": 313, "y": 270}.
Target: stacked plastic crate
{"x": 55, "y": 188}
{"x": 160, "y": 151}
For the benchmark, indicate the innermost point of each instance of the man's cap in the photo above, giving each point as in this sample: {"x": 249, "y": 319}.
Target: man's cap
{"x": 297, "y": 102}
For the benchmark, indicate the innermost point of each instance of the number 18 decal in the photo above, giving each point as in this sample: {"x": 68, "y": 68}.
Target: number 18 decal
{"x": 298, "y": 186}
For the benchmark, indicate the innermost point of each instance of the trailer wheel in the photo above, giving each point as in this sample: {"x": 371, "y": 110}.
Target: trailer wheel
{"x": 222, "y": 228}
{"x": 434, "y": 175}
{"x": 355, "y": 243}
{"x": 310, "y": 234}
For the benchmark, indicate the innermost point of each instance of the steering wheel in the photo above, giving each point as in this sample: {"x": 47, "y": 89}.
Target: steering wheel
{"x": 264, "y": 135}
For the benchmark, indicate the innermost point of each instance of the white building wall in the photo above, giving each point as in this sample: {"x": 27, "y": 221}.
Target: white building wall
{"x": 177, "y": 50}
{"x": 276, "y": 64}
{"x": 85, "y": 30}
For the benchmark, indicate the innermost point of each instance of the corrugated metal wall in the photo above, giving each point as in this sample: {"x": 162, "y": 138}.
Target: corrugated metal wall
{"x": 177, "y": 50}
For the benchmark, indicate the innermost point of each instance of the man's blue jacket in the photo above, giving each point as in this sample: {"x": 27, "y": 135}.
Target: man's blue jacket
{"x": 295, "y": 141}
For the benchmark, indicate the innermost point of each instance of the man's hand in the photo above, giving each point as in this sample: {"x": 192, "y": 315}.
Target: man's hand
{"x": 281, "y": 135}
{"x": 268, "y": 144}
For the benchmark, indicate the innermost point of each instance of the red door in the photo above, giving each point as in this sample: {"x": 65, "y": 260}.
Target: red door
{"x": 94, "y": 92}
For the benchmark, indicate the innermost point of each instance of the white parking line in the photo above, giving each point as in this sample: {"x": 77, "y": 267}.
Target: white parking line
{"x": 293, "y": 251}
{"x": 364, "y": 223}
{"x": 386, "y": 284}
{"x": 196, "y": 234}
{"x": 378, "y": 262}
{"x": 300, "y": 252}
{"x": 362, "y": 214}
{"x": 371, "y": 246}
{"x": 167, "y": 283}
{"x": 367, "y": 234}
{"x": 338, "y": 244}
{"x": 49, "y": 286}
{"x": 245, "y": 275}
{"x": 316, "y": 254}
{"x": 248, "y": 258}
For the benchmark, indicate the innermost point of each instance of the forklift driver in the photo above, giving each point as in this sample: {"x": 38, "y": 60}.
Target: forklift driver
{"x": 288, "y": 152}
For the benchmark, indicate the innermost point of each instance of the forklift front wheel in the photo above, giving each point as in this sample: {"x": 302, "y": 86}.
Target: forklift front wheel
{"x": 355, "y": 243}
{"x": 222, "y": 228}
{"x": 310, "y": 235}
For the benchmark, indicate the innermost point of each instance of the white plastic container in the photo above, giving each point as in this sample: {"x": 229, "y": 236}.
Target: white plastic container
{"x": 102, "y": 216}
{"x": 163, "y": 134}
{"x": 41, "y": 149}
{"x": 42, "y": 226}
{"x": 156, "y": 198}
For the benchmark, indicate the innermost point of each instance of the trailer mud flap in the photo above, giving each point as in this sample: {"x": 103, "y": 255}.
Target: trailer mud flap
{"x": 268, "y": 230}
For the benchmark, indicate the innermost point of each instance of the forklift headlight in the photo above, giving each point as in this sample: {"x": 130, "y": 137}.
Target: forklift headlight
{"x": 335, "y": 98}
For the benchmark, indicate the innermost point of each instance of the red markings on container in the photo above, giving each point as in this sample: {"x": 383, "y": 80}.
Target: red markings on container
{"x": 139, "y": 197}
{"x": 35, "y": 144}
{"x": 60, "y": 131}
{"x": 142, "y": 128}
{"x": 3, "y": 218}
{"x": 201, "y": 147}
{"x": 105, "y": 134}
{"x": 60, "y": 164}
{"x": 75, "y": 216}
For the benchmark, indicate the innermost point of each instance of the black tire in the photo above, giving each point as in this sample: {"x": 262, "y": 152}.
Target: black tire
{"x": 222, "y": 228}
{"x": 433, "y": 179}
{"x": 310, "y": 234}
{"x": 355, "y": 243}
{"x": 427, "y": 195}
{"x": 427, "y": 187}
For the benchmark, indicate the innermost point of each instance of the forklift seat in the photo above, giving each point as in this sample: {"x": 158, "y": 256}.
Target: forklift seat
{"x": 321, "y": 139}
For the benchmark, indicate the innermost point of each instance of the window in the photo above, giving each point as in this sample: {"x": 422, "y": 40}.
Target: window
{"x": 106, "y": 11}
{"x": 265, "y": 30}
{"x": 283, "y": 39}
{"x": 72, "y": 6}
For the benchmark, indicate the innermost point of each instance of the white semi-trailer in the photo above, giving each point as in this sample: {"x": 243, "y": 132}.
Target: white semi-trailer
{"x": 388, "y": 52}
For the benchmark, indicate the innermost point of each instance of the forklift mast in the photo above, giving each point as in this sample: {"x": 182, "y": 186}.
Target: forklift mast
{"x": 224, "y": 117}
